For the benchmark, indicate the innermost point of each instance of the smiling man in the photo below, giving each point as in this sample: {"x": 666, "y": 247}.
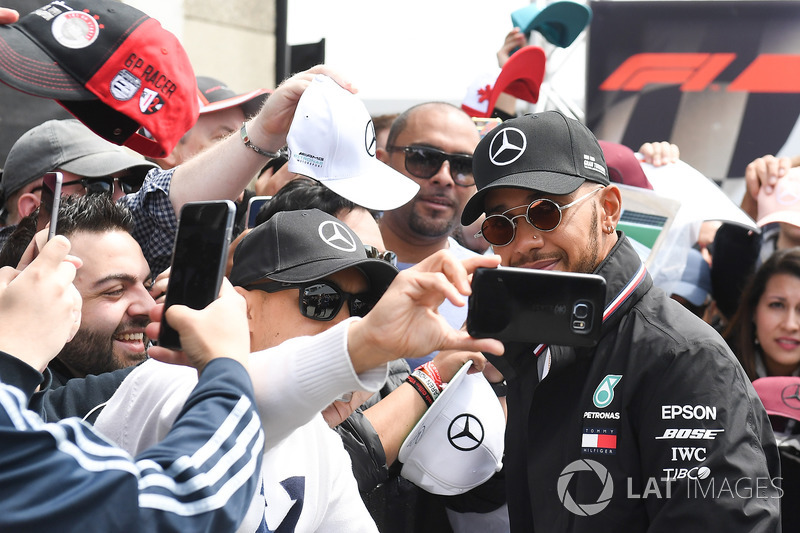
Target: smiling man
{"x": 660, "y": 411}
{"x": 113, "y": 283}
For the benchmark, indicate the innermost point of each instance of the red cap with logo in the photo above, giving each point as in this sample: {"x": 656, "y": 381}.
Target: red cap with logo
{"x": 112, "y": 66}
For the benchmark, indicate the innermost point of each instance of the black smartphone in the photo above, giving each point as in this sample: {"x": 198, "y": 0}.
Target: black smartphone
{"x": 536, "y": 306}
{"x": 50, "y": 202}
{"x": 198, "y": 260}
{"x": 253, "y": 206}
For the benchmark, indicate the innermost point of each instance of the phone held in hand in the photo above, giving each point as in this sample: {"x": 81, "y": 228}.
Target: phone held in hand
{"x": 536, "y": 306}
{"x": 198, "y": 260}
{"x": 51, "y": 201}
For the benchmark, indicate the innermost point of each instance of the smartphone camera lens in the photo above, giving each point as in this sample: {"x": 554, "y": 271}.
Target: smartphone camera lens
{"x": 580, "y": 311}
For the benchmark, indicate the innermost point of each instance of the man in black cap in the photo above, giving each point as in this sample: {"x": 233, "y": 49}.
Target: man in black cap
{"x": 306, "y": 273}
{"x": 647, "y": 428}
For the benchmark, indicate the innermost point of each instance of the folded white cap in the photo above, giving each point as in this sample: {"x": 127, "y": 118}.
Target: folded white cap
{"x": 458, "y": 444}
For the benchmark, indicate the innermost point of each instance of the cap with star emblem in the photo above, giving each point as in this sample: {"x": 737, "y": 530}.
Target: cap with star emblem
{"x": 302, "y": 246}
{"x": 458, "y": 443}
{"x": 545, "y": 152}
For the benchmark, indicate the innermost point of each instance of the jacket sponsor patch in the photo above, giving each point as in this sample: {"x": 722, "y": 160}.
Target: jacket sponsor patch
{"x": 599, "y": 440}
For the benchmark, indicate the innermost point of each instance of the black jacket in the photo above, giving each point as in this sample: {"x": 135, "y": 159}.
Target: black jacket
{"x": 651, "y": 430}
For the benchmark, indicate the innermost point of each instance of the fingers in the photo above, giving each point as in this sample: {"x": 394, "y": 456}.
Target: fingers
{"x": 8, "y": 16}
{"x": 765, "y": 172}
{"x": 460, "y": 340}
{"x": 660, "y": 153}
{"x": 159, "y": 287}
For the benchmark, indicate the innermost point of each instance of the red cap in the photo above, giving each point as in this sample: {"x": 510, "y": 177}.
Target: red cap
{"x": 623, "y": 167}
{"x": 521, "y": 77}
{"x": 780, "y": 395}
{"x": 110, "y": 65}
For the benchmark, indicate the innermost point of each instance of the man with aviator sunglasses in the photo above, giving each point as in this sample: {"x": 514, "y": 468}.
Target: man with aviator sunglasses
{"x": 610, "y": 410}
{"x": 432, "y": 144}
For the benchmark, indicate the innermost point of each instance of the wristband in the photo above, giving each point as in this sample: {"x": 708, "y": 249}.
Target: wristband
{"x": 256, "y": 149}
{"x": 426, "y": 380}
{"x": 420, "y": 388}
{"x": 430, "y": 369}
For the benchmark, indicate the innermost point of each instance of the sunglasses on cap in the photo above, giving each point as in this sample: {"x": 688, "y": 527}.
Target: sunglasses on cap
{"x": 321, "y": 300}
{"x": 424, "y": 162}
{"x": 388, "y": 256}
{"x": 105, "y": 185}
{"x": 543, "y": 214}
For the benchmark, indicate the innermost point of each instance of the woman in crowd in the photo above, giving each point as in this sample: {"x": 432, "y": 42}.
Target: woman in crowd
{"x": 765, "y": 332}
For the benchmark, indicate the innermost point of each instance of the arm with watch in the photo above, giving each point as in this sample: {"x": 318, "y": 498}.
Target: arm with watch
{"x": 223, "y": 171}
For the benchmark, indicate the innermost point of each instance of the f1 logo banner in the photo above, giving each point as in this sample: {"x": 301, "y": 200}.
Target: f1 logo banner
{"x": 721, "y": 79}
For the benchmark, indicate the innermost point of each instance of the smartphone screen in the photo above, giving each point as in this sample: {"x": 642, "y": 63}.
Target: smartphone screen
{"x": 253, "y": 207}
{"x": 536, "y": 306}
{"x": 50, "y": 202}
{"x": 198, "y": 260}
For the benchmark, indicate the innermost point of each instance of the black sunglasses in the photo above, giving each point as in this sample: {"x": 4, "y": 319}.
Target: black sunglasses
{"x": 543, "y": 214}
{"x": 320, "y": 300}
{"x": 105, "y": 184}
{"x": 424, "y": 162}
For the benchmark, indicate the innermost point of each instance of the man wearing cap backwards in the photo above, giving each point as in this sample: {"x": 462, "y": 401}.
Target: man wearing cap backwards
{"x": 302, "y": 273}
{"x": 659, "y": 410}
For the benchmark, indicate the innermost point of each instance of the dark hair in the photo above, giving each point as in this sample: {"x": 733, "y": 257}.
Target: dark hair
{"x": 304, "y": 193}
{"x": 18, "y": 241}
{"x": 740, "y": 333}
{"x": 401, "y": 122}
{"x": 93, "y": 213}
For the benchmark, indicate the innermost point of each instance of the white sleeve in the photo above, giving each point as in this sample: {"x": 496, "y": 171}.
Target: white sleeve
{"x": 292, "y": 381}
{"x": 299, "y": 378}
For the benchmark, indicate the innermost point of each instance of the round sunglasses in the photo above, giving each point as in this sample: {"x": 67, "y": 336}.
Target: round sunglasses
{"x": 320, "y": 300}
{"x": 424, "y": 162}
{"x": 543, "y": 214}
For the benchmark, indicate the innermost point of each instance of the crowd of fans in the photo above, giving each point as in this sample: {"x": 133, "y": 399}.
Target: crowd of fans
{"x": 301, "y": 395}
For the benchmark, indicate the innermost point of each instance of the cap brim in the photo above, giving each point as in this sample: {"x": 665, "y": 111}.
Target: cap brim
{"x": 27, "y": 68}
{"x": 692, "y": 293}
{"x": 381, "y": 189}
{"x": 380, "y": 273}
{"x": 105, "y": 163}
{"x": 250, "y": 103}
{"x": 545, "y": 182}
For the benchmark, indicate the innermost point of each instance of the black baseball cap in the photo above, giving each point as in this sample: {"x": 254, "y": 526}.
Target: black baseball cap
{"x": 302, "y": 246}
{"x": 544, "y": 152}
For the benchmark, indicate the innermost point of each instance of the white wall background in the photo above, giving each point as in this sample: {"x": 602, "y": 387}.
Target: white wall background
{"x": 401, "y": 53}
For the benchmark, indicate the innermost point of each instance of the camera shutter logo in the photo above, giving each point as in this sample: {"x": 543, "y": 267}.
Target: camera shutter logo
{"x": 791, "y": 397}
{"x": 337, "y": 236}
{"x": 507, "y": 146}
{"x": 575, "y": 468}
{"x": 604, "y": 393}
{"x": 370, "y": 140}
{"x": 465, "y": 432}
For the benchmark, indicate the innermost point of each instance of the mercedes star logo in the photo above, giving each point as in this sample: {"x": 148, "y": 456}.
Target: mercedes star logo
{"x": 335, "y": 235}
{"x": 507, "y": 146}
{"x": 465, "y": 432}
{"x": 370, "y": 141}
{"x": 791, "y": 396}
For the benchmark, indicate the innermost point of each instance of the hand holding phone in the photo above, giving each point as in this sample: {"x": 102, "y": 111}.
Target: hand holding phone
{"x": 50, "y": 203}
{"x": 536, "y": 306}
{"x": 198, "y": 260}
